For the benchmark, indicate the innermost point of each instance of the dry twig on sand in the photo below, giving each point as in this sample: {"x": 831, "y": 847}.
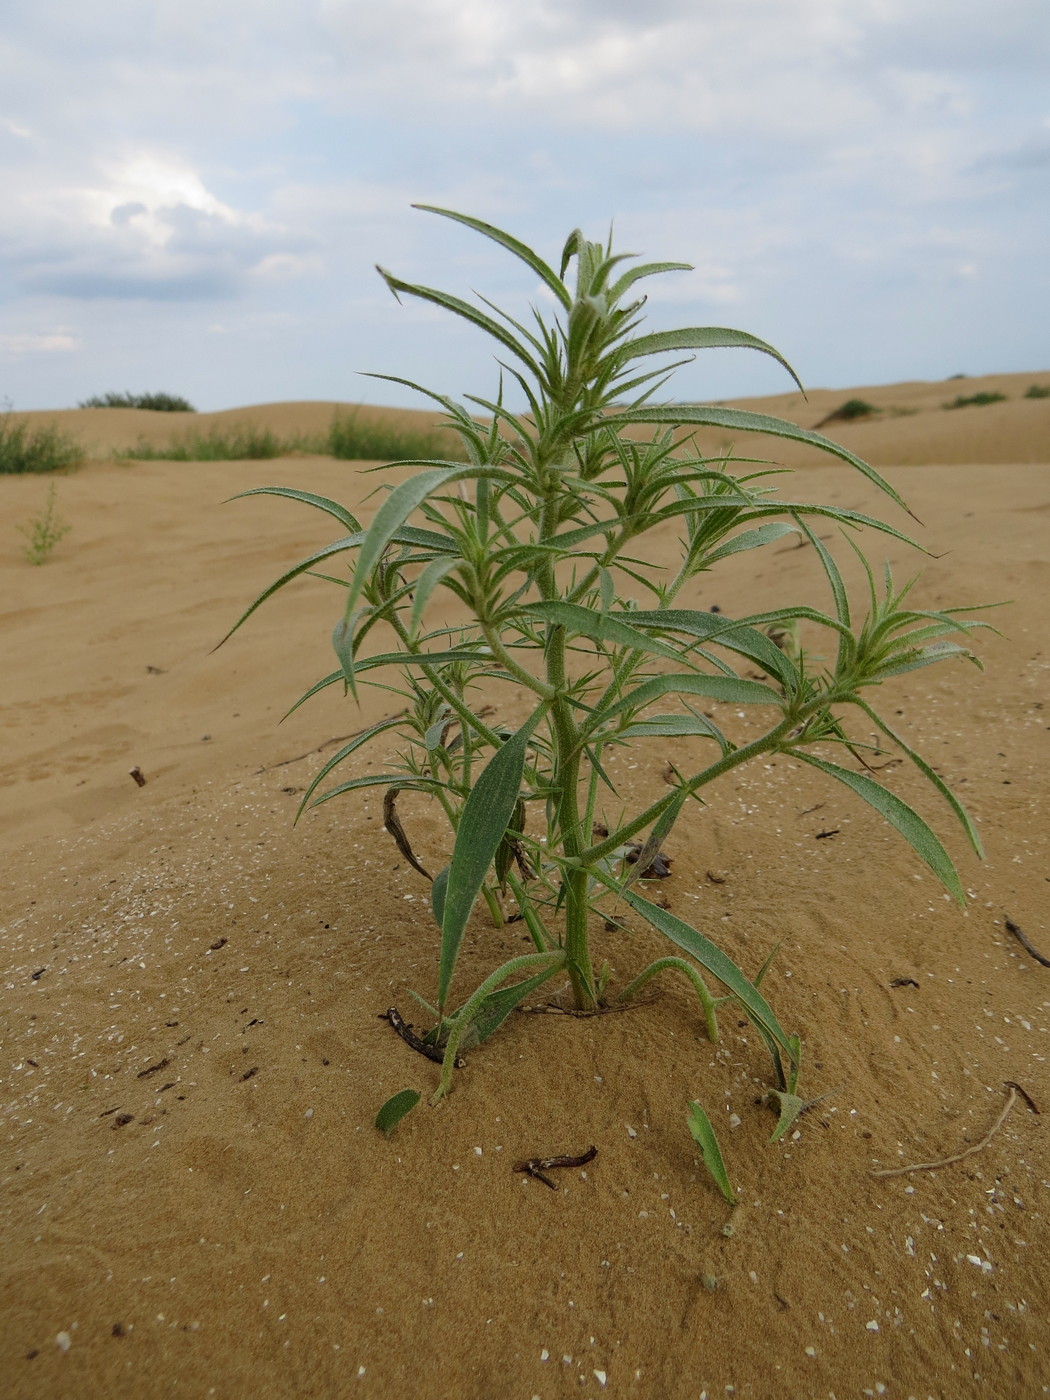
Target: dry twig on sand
{"x": 1015, "y": 1092}
{"x": 1022, "y": 938}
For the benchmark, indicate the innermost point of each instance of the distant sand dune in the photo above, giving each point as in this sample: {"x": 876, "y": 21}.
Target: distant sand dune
{"x": 911, "y": 428}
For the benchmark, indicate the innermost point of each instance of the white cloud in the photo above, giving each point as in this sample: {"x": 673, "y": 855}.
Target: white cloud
{"x": 143, "y": 224}
{"x": 823, "y": 163}
{"x": 46, "y": 342}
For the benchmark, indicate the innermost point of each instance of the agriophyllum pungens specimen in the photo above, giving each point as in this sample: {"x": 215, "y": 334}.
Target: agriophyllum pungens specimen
{"x": 537, "y": 536}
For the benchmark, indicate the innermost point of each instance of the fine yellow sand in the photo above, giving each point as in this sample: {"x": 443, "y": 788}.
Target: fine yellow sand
{"x": 195, "y": 1201}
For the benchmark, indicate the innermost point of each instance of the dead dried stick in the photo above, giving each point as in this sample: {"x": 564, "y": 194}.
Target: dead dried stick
{"x": 1015, "y": 1092}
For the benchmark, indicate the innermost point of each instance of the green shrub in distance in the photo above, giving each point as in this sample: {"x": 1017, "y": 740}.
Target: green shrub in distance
{"x": 1037, "y": 391}
{"x": 976, "y": 400}
{"x": 848, "y": 412}
{"x": 157, "y": 403}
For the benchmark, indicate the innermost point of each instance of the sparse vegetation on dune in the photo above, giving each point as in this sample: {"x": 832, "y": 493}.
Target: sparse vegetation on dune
{"x": 1037, "y": 391}
{"x": 156, "y": 403}
{"x": 27, "y": 449}
{"x": 975, "y": 400}
{"x": 848, "y": 412}
{"x": 354, "y": 439}
{"x": 236, "y": 445}
{"x": 350, "y": 438}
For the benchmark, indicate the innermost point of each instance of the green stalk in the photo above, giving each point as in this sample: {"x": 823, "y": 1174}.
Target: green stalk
{"x": 707, "y": 1001}
{"x": 528, "y": 962}
{"x": 729, "y": 761}
{"x": 492, "y": 900}
{"x": 542, "y": 939}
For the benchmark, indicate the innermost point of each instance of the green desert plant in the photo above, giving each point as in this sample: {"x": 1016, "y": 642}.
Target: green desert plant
{"x": 25, "y": 449}
{"x": 976, "y": 400}
{"x": 43, "y": 531}
{"x": 157, "y": 403}
{"x": 354, "y": 440}
{"x": 1037, "y": 391}
{"x": 540, "y": 538}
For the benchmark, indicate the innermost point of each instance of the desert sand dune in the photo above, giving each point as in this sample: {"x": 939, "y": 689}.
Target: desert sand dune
{"x": 910, "y": 428}
{"x": 195, "y": 1200}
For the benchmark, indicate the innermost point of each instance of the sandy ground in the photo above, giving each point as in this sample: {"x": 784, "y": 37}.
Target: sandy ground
{"x": 194, "y": 1200}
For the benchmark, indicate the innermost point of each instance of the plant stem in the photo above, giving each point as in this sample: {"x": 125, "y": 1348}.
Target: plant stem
{"x": 528, "y": 962}
{"x": 492, "y": 900}
{"x": 707, "y": 1001}
{"x": 542, "y": 939}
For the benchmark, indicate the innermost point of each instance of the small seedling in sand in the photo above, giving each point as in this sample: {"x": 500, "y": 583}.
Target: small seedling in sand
{"x": 43, "y": 531}
{"x": 578, "y": 630}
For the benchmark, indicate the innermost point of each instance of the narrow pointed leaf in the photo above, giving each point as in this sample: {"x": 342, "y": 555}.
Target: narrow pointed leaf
{"x": 703, "y": 338}
{"x": 910, "y": 825}
{"x": 742, "y": 421}
{"x": 935, "y": 778}
{"x": 330, "y": 679}
{"x": 670, "y": 726}
{"x": 750, "y": 539}
{"x": 497, "y": 1006}
{"x": 395, "y": 510}
{"x": 730, "y": 689}
{"x": 719, "y": 964}
{"x": 343, "y": 646}
{"x": 407, "y": 534}
{"x": 428, "y": 580}
{"x": 655, "y": 840}
{"x": 338, "y": 547}
{"x": 437, "y": 896}
{"x": 905, "y": 661}
{"x": 486, "y": 814}
{"x": 395, "y": 1109}
{"x": 600, "y": 627}
{"x": 467, "y": 312}
{"x": 478, "y": 654}
{"x": 621, "y": 285}
{"x": 704, "y": 1137}
{"x": 513, "y": 245}
{"x": 408, "y": 784}
{"x": 714, "y": 627}
{"x": 357, "y": 742}
{"x": 847, "y": 645}
{"x": 838, "y": 513}
{"x": 332, "y": 508}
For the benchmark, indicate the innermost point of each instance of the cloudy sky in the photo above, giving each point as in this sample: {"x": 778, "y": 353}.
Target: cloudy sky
{"x": 195, "y": 192}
